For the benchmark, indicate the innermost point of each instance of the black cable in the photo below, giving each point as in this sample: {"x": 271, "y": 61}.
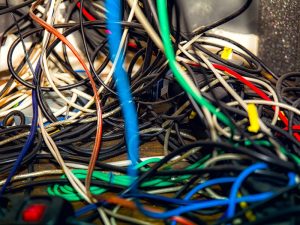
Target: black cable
{"x": 275, "y": 162}
{"x": 92, "y": 69}
{"x": 222, "y": 21}
{"x": 16, "y": 7}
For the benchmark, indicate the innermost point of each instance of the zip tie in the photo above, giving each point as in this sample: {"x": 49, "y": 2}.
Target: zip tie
{"x": 253, "y": 118}
{"x": 192, "y": 115}
{"x": 249, "y": 214}
{"x": 226, "y": 53}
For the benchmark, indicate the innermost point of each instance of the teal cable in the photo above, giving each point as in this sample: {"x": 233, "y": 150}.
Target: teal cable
{"x": 68, "y": 193}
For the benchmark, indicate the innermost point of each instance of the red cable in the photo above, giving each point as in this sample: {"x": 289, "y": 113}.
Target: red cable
{"x": 90, "y": 17}
{"x": 132, "y": 45}
{"x": 257, "y": 91}
{"x": 87, "y": 15}
{"x": 296, "y": 127}
{"x": 182, "y": 220}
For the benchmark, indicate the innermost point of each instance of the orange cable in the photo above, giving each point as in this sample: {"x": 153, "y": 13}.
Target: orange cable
{"x": 182, "y": 220}
{"x": 113, "y": 199}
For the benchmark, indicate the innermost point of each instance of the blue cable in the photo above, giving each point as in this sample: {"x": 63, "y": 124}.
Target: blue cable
{"x": 204, "y": 185}
{"x": 197, "y": 204}
{"x": 162, "y": 198}
{"x": 85, "y": 209}
{"x": 204, "y": 205}
{"x": 184, "y": 209}
{"x": 194, "y": 204}
{"x": 237, "y": 184}
{"x": 207, "y": 184}
{"x": 293, "y": 179}
{"x": 30, "y": 138}
{"x": 80, "y": 71}
{"x": 123, "y": 87}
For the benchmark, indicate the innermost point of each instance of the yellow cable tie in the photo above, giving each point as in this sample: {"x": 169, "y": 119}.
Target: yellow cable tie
{"x": 227, "y": 53}
{"x": 253, "y": 118}
{"x": 192, "y": 115}
{"x": 267, "y": 75}
{"x": 249, "y": 214}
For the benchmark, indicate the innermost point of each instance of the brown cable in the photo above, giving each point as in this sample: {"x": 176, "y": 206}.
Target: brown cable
{"x": 97, "y": 145}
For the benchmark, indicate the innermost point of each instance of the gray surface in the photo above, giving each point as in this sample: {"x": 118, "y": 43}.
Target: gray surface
{"x": 6, "y": 19}
{"x": 277, "y": 22}
{"x": 204, "y": 12}
{"x": 280, "y": 35}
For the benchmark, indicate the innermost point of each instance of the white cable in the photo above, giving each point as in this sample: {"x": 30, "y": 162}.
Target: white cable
{"x": 75, "y": 182}
{"x": 273, "y": 93}
{"x": 223, "y": 82}
{"x": 270, "y": 103}
{"x": 12, "y": 97}
{"x": 158, "y": 129}
{"x": 26, "y": 102}
{"x": 147, "y": 26}
{"x": 34, "y": 174}
{"x": 223, "y": 157}
{"x": 166, "y": 141}
{"x": 231, "y": 91}
{"x": 50, "y": 80}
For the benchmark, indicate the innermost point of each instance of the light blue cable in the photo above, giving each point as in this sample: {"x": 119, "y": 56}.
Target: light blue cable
{"x": 123, "y": 87}
{"x": 237, "y": 184}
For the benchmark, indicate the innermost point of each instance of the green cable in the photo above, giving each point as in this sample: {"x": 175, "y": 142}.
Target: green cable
{"x": 67, "y": 192}
{"x": 185, "y": 84}
{"x": 146, "y": 162}
{"x": 269, "y": 144}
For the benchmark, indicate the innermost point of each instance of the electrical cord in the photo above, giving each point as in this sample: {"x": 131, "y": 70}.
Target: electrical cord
{"x": 210, "y": 166}
{"x": 218, "y": 23}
